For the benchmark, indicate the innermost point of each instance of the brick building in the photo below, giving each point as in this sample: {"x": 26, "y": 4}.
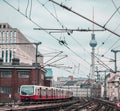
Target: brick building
{"x": 14, "y": 75}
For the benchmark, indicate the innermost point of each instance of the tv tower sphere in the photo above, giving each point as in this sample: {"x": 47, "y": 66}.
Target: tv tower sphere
{"x": 93, "y": 42}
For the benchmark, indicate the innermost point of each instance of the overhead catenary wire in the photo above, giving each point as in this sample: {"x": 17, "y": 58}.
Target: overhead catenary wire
{"x": 56, "y": 18}
{"x": 114, "y": 30}
{"x": 40, "y": 27}
{"x": 111, "y": 44}
{"x": 18, "y": 4}
{"x": 55, "y": 11}
{"x": 57, "y": 60}
{"x": 69, "y": 9}
{"x": 27, "y": 7}
{"x": 100, "y": 26}
{"x": 104, "y": 65}
{"x": 30, "y": 19}
{"x": 51, "y": 13}
{"x": 115, "y": 6}
{"x": 79, "y": 44}
{"x": 112, "y": 16}
{"x": 54, "y": 57}
{"x": 76, "y": 54}
{"x": 67, "y": 30}
{"x": 64, "y": 26}
{"x": 30, "y": 9}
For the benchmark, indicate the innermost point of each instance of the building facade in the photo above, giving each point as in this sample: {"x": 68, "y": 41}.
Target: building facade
{"x": 113, "y": 87}
{"x": 9, "y": 37}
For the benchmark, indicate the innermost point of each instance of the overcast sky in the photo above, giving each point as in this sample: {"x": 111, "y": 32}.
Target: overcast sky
{"x": 29, "y": 14}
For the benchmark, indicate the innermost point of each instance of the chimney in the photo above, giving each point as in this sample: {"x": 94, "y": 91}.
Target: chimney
{"x": 36, "y": 65}
{"x": 15, "y": 61}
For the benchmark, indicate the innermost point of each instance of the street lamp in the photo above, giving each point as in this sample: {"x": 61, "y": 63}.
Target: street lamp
{"x": 116, "y": 83}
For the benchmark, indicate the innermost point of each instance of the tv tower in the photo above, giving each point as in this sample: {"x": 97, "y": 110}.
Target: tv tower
{"x": 93, "y": 44}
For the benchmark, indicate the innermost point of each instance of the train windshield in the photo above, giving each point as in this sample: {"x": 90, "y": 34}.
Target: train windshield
{"x": 27, "y": 90}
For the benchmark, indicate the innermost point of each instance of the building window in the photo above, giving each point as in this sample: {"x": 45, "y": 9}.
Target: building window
{"x": 15, "y": 37}
{"x": 7, "y": 35}
{"x": 6, "y": 55}
{"x": 4, "y": 26}
{"x": 23, "y": 74}
{"x": 42, "y": 76}
{"x": 11, "y": 37}
{"x": 3, "y": 55}
{"x": 5, "y": 90}
{"x": 3, "y": 35}
{"x": 10, "y": 55}
{"x": 6, "y": 74}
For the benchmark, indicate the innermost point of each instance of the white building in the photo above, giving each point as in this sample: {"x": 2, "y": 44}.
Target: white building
{"x": 26, "y": 53}
{"x": 77, "y": 91}
{"x": 73, "y": 84}
{"x": 113, "y": 89}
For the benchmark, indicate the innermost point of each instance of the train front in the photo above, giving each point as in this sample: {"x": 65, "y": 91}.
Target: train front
{"x": 27, "y": 93}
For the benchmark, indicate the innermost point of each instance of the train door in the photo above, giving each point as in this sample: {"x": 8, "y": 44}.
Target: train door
{"x": 46, "y": 93}
{"x": 62, "y": 93}
{"x": 40, "y": 92}
{"x": 56, "y": 96}
{"x": 52, "y": 93}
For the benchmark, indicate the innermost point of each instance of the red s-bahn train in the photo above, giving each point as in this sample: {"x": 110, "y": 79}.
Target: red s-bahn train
{"x": 40, "y": 93}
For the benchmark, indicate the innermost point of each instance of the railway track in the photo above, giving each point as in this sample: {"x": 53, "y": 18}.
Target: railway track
{"x": 83, "y": 104}
{"x": 93, "y": 105}
{"x": 40, "y": 106}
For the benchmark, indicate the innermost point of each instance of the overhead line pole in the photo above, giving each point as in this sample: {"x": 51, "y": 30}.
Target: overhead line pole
{"x": 69, "y": 9}
{"x": 105, "y": 84}
{"x": 115, "y": 60}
